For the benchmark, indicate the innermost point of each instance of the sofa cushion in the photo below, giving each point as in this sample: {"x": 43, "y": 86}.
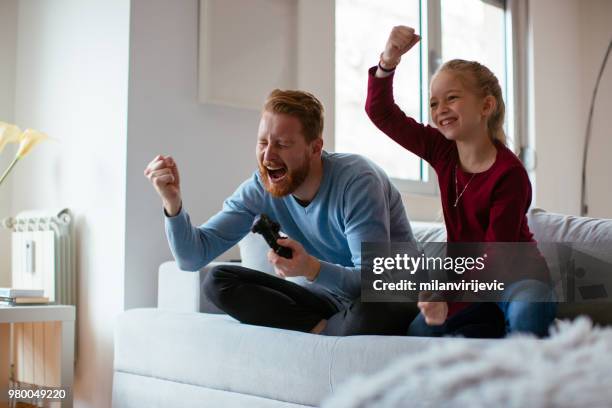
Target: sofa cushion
{"x": 428, "y": 231}
{"x": 137, "y": 391}
{"x": 216, "y": 352}
{"x": 592, "y": 236}
{"x": 253, "y": 253}
{"x": 551, "y": 227}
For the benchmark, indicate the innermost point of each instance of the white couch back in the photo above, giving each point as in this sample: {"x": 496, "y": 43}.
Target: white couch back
{"x": 546, "y": 227}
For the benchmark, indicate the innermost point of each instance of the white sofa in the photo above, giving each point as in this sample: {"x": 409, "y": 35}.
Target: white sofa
{"x": 176, "y": 355}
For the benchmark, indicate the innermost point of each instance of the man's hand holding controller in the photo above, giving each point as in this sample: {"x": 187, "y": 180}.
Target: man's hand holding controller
{"x": 164, "y": 175}
{"x": 300, "y": 263}
{"x": 288, "y": 257}
{"x": 401, "y": 40}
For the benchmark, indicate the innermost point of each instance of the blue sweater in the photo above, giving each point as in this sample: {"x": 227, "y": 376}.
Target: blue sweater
{"x": 356, "y": 203}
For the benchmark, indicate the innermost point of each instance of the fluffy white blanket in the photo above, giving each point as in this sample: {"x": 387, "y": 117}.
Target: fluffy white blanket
{"x": 572, "y": 368}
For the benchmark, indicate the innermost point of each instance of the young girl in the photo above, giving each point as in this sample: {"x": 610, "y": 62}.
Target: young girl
{"x": 484, "y": 188}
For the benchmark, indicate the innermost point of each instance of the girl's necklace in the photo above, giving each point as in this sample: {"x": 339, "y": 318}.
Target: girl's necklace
{"x": 457, "y": 186}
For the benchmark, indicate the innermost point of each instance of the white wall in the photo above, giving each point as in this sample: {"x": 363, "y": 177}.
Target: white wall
{"x": 8, "y": 44}
{"x": 569, "y": 39}
{"x": 596, "y": 33}
{"x": 557, "y": 92}
{"x": 213, "y": 145}
{"x": 316, "y": 57}
{"x": 72, "y": 73}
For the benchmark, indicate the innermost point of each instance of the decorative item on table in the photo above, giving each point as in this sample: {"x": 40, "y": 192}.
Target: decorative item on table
{"x": 10, "y": 133}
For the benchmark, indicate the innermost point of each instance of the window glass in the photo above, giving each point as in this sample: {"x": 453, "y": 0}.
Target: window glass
{"x": 362, "y": 29}
{"x": 475, "y": 30}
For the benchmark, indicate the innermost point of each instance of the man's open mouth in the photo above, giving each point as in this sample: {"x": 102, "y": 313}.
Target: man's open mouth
{"x": 276, "y": 174}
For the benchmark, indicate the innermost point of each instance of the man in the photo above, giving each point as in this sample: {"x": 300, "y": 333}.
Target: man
{"x": 327, "y": 204}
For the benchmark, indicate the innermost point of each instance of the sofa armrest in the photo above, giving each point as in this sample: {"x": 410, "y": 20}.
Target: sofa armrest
{"x": 180, "y": 290}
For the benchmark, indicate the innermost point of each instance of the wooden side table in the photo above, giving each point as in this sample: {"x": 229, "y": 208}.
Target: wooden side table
{"x": 65, "y": 316}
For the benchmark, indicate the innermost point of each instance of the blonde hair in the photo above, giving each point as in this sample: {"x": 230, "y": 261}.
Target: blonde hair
{"x": 303, "y": 105}
{"x": 483, "y": 82}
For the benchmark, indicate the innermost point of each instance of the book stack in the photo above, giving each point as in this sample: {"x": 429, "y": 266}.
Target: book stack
{"x": 18, "y": 297}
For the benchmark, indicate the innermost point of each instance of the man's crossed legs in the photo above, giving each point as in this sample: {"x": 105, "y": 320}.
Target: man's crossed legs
{"x": 257, "y": 298}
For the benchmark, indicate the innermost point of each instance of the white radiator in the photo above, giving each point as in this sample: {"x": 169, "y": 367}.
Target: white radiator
{"x": 42, "y": 258}
{"x": 42, "y": 254}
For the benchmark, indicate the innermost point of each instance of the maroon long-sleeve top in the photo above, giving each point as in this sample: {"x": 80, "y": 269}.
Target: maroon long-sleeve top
{"x": 494, "y": 205}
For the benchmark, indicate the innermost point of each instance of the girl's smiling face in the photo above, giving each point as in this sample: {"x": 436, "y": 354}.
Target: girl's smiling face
{"x": 457, "y": 112}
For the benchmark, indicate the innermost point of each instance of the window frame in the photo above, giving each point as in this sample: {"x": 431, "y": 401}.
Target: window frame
{"x": 430, "y": 49}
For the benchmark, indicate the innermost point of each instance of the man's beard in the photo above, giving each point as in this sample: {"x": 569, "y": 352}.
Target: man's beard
{"x": 293, "y": 179}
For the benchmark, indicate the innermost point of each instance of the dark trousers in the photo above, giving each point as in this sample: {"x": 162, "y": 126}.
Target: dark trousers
{"x": 479, "y": 320}
{"x": 261, "y": 299}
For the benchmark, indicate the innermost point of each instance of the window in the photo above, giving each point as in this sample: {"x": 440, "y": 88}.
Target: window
{"x": 476, "y": 30}
{"x": 468, "y": 29}
{"x": 362, "y": 28}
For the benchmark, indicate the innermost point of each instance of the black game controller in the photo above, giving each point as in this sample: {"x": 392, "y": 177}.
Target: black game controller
{"x": 269, "y": 229}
